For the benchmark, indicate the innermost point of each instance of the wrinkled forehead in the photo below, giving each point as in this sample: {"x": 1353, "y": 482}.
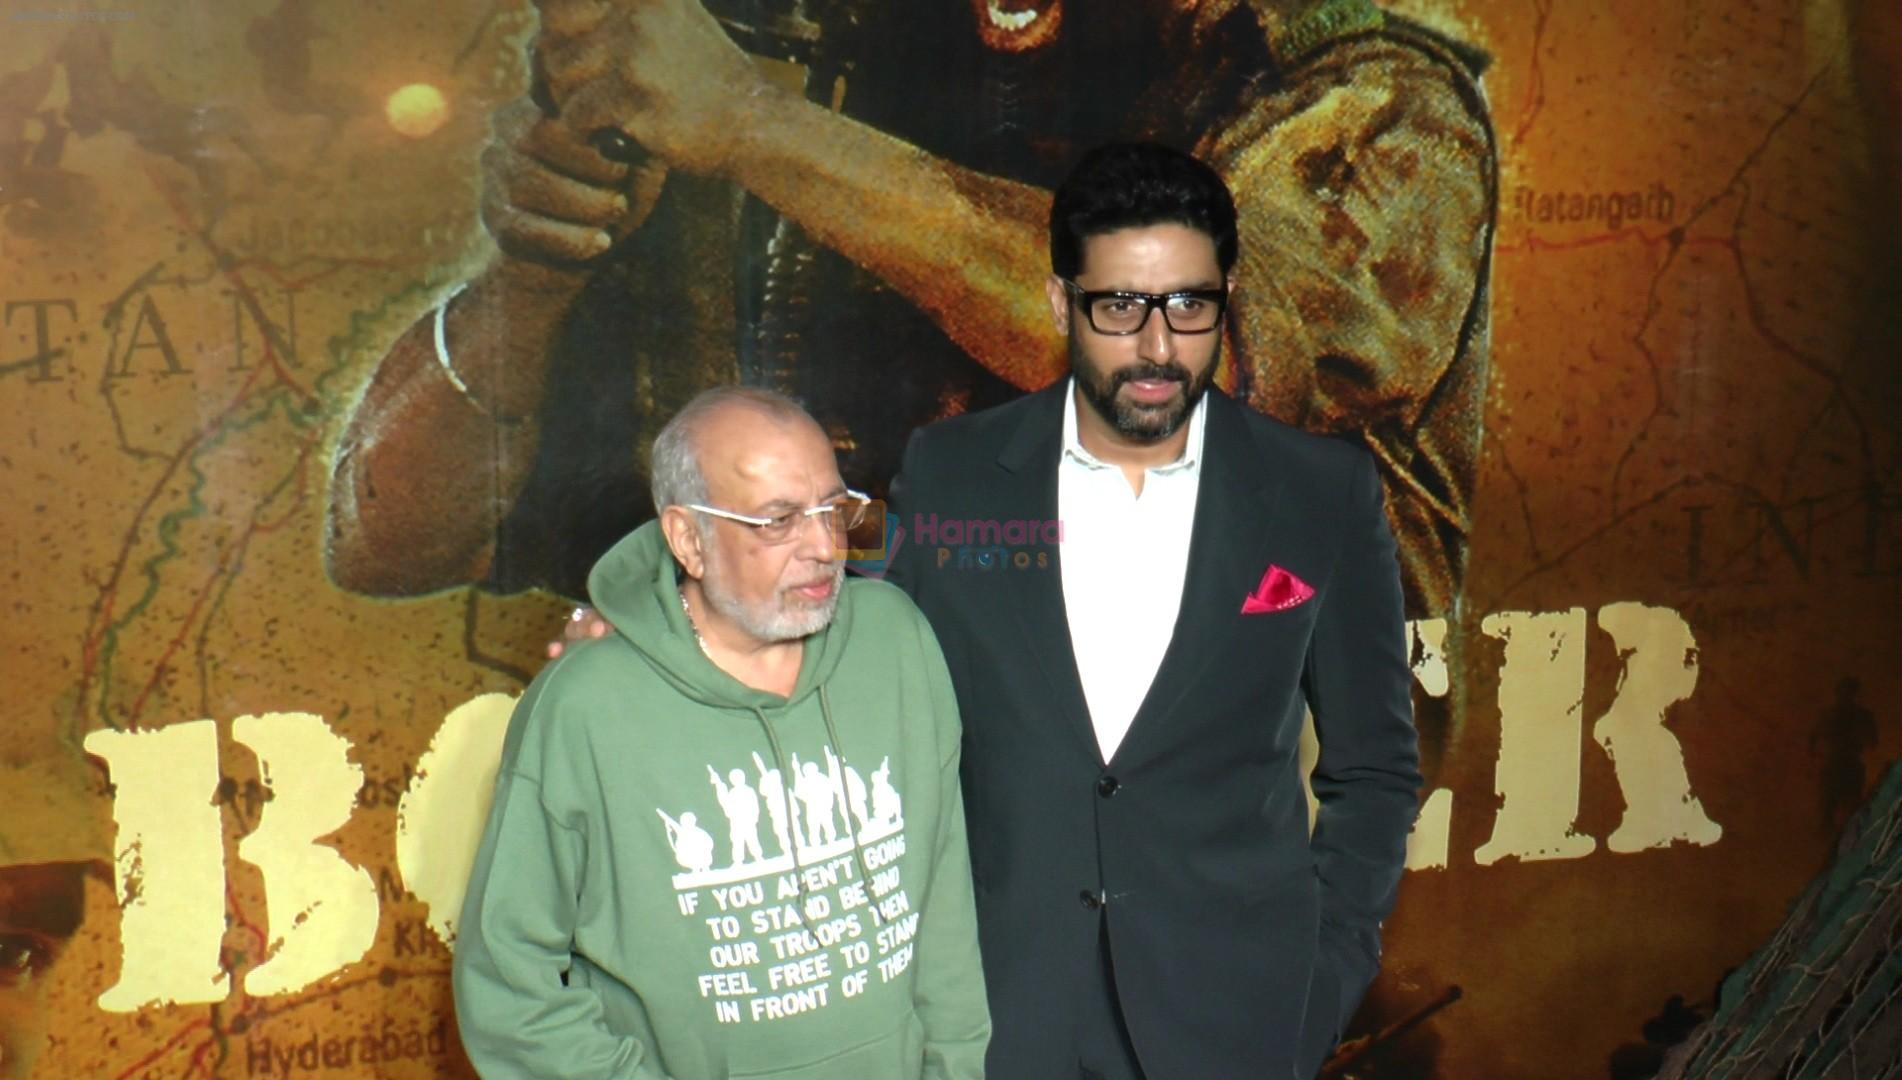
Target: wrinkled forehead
{"x": 753, "y": 460}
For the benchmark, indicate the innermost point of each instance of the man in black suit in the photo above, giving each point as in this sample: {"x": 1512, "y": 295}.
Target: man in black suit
{"x": 1139, "y": 586}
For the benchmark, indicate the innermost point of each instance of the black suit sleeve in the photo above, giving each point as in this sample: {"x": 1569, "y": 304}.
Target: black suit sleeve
{"x": 1367, "y": 779}
{"x": 901, "y": 501}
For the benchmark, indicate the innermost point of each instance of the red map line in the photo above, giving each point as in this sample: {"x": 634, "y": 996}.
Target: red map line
{"x": 1534, "y": 243}
{"x": 198, "y": 1057}
{"x": 289, "y": 284}
{"x": 232, "y": 559}
{"x": 89, "y": 653}
{"x": 1754, "y": 313}
{"x": 253, "y": 1013}
{"x": 164, "y": 1048}
{"x": 107, "y": 604}
{"x": 229, "y": 271}
{"x": 244, "y": 921}
{"x": 1535, "y": 75}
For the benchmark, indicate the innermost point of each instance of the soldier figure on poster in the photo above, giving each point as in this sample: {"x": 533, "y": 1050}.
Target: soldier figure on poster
{"x": 876, "y": 260}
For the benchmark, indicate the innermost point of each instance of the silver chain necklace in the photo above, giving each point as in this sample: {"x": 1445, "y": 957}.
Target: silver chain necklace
{"x": 691, "y": 625}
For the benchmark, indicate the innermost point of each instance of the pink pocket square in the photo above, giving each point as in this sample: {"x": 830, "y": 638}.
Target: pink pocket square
{"x": 1278, "y": 591}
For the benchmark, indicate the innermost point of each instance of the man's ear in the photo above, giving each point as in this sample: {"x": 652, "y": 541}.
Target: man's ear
{"x": 1059, "y": 294}
{"x": 677, "y": 524}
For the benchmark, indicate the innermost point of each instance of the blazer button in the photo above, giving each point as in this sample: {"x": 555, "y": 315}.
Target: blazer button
{"x": 1108, "y": 786}
{"x": 1090, "y": 899}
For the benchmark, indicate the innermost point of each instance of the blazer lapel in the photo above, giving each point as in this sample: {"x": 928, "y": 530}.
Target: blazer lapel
{"x": 1029, "y": 463}
{"x": 1236, "y": 527}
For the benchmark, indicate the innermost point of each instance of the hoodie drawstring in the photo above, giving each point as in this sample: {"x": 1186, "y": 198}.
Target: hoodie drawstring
{"x": 786, "y": 793}
{"x": 832, "y": 735}
{"x": 779, "y": 762}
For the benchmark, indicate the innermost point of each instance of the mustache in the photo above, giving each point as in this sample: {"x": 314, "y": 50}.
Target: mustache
{"x": 1148, "y": 372}
{"x": 832, "y": 577}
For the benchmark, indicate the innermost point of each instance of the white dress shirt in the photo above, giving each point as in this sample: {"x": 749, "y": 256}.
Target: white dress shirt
{"x": 1124, "y": 558}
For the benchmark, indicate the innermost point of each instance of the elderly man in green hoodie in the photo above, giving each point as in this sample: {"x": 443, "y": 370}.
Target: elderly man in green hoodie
{"x": 627, "y": 915}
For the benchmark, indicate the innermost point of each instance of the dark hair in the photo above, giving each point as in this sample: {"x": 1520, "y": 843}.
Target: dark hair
{"x": 1129, "y": 185}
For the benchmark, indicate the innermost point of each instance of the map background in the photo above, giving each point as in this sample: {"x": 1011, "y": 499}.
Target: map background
{"x": 166, "y": 529}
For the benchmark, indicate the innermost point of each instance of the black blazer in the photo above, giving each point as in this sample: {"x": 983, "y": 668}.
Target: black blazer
{"x": 1240, "y": 945}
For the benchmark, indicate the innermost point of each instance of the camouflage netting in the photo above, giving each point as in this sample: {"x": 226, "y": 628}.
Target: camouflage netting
{"x": 1824, "y": 998}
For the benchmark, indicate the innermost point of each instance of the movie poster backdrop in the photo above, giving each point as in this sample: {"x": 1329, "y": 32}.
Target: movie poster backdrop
{"x": 333, "y": 338}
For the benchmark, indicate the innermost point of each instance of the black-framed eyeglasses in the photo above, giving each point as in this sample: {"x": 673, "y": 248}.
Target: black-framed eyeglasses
{"x": 840, "y": 514}
{"x": 1118, "y": 312}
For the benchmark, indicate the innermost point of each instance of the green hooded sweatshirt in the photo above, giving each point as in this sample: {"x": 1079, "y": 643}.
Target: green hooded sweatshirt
{"x": 685, "y": 877}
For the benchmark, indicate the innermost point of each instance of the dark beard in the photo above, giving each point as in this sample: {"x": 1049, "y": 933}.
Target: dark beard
{"x": 1138, "y": 423}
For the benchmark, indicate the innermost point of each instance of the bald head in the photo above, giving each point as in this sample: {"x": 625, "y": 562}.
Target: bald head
{"x": 737, "y": 454}
{"x": 708, "y": 431}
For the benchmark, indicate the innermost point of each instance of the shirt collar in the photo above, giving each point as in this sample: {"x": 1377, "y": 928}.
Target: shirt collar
{"x": 1191, "y": 457}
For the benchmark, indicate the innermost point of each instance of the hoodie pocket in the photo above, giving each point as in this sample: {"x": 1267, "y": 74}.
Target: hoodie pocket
{"x": 895, "y": 1055}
